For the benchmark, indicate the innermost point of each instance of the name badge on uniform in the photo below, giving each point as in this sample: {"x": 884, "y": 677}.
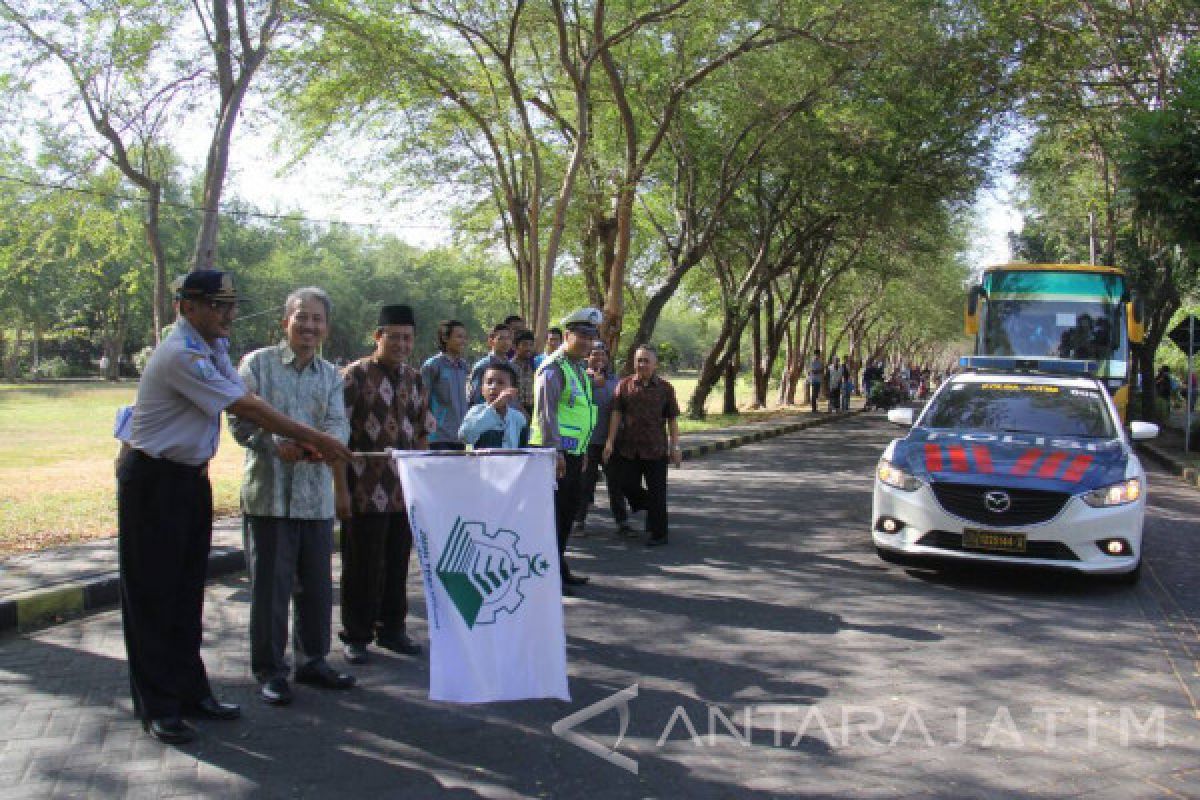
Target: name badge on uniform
{"x": 569, "y": 442}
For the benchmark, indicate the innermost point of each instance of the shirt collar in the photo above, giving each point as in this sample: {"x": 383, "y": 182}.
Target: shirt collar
{"x": 288, "y": 356}
{"x": 653, "y": 380}
{"x": 459, "y": 362}
{"x": 195, "y": 340}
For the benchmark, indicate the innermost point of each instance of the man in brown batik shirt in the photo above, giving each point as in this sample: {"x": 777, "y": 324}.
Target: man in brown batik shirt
{"x": 386, "y": 407}
{"x": 644, "y": 410}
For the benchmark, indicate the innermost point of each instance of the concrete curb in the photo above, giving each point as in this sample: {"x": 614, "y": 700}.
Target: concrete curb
{"x": 1188, "y": 474}
{"x": 53, "y": 604}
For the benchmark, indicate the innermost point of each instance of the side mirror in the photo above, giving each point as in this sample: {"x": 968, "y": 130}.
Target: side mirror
{"x": 904, "y": 416}
{"x": 971, "y": 316}
{"x": 1139, "y": 431}
{"x": 1135, "y": 318}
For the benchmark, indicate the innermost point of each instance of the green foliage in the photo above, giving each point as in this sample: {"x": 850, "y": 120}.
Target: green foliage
{"x": 1160, "y": 159}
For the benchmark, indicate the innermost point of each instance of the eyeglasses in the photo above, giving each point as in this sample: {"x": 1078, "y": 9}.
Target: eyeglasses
{"x": 223, "y": 306}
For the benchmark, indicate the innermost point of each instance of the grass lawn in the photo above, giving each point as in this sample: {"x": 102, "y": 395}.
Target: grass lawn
{"x": 56, "y": 464}
{"x": 57, "y": 451}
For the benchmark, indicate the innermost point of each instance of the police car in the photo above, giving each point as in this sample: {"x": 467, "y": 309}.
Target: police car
{"x": 1015, "y": 462}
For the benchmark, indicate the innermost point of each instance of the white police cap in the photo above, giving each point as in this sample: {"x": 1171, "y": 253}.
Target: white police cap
{"x": 584, "y": 318}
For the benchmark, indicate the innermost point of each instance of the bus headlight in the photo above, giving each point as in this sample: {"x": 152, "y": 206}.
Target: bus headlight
{"x": 889, "y": 473}
{"x": 1118, "y": 494}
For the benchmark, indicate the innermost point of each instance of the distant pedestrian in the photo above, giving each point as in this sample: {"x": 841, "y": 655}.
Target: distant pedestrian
{"x": 603, "y": 386}
{"x": 847, "y": 382}
{"x": 444, "y": 377}
{"x": 834, "y": 382}
{"x": 499, "y": 343}
{"x": 164, "y": 502}
{"x": 643, "y": 437}
{"x": 288, "y": 503}
{"x": 498, "y": 421}
{"x": 816, "y": 374}
{"x": 385, "y": 402}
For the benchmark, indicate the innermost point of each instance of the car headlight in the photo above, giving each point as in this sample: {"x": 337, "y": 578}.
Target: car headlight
{"x": 1118, "y": 494}
{"x": 889, "y": 473}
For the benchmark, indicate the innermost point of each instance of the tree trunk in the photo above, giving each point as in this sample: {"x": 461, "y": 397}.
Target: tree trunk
{"x": 729, "y": 406}
{"x": 36, "y": 354}
{"x": 760, "y": 387}
{"x": 711, "y": 370}
{"x": 158, "y": 255}
{"x": 652, "y": 312}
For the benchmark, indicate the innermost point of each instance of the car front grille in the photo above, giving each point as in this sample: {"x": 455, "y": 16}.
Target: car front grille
{"x": 1050, "y": 551}
{"x": 1027, "y": 506}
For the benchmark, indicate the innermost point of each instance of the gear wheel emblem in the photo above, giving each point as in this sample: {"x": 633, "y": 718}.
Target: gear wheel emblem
{"x": 482, "y": 573}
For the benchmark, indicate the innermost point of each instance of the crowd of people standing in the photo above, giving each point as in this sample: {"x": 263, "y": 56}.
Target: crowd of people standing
{"x": 305, "y": 425}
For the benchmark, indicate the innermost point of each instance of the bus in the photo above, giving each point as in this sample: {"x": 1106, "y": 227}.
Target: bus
{"x": 1059, "y": 311}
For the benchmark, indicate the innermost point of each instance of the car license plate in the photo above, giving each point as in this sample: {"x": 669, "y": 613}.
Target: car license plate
{"x": 994, "y": 541}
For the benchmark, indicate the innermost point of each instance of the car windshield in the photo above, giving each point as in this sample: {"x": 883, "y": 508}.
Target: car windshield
{"x": 1003, "y": 407}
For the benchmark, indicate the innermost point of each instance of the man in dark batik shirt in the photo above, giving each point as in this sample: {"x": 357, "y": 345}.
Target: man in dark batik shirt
{"x": 386, "y": 407}
{"x": 644, "y": 408}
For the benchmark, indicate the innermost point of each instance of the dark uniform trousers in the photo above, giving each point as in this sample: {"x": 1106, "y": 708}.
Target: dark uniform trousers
{"x": 653, "y": 497}
{"x": 567, "y": 497}
{"x": 289, "y": 562}
{"x": 164, "y": 523}
{"x": 375, "y": 553}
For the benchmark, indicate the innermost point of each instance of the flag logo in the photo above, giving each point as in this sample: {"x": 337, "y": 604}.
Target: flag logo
{"x": 482, "y": 572}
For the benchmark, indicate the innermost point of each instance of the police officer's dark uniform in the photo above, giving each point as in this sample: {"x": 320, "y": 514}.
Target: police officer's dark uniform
{"x": 564, "y": 416}
{"x": 164, "y": 506}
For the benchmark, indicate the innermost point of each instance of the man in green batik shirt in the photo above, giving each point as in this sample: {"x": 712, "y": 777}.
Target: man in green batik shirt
{"x": 288, "y": 503}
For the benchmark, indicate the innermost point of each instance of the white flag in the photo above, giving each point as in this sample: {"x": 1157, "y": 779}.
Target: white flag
{"x": 483, "y": 528}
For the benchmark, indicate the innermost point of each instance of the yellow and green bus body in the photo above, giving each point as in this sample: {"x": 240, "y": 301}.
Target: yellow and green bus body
{"x": 1064, "y": 311}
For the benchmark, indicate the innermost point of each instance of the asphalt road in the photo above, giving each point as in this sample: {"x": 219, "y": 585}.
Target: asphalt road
{"x": 858, "y": 679}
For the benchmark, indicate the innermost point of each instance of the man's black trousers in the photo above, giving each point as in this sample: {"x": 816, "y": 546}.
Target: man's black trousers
{"x": 164, "y": 524}
{"x": 652, "y": 497}
{"x": 616, "y": 500}
{"x": 375, "y": 553}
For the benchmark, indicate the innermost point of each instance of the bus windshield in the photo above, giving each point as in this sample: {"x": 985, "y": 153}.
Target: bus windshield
{"x": 1056, "y": 315}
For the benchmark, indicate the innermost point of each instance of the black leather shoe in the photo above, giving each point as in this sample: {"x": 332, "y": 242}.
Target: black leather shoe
{"x": 170, "y": 730}
{"x": 324, "y": 676}
{"x": 398, "y": 643}
{"x": 656, "y": 541}
{"x": 212, "y": 708}
{"x": 571, "y": 579}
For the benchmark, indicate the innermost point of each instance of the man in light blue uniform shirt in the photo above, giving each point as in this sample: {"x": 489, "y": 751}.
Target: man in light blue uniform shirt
{"x": 164, "y": 503}
{"x": 288, "y": 503}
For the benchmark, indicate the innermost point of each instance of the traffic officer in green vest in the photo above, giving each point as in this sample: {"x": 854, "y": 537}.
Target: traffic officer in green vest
{"x": 563, "y": 418}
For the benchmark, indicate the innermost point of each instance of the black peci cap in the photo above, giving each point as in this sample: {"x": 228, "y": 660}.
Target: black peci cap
{"x": 397, "y": 315}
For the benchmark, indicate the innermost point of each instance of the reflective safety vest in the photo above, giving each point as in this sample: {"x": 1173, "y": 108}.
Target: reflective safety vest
{"x": 576, "y": 409}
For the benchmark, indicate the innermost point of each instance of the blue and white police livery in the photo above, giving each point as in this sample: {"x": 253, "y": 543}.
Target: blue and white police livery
{"x": 1023, "y": 466}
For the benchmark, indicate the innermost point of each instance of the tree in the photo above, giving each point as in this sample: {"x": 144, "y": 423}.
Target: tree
{"x": 1090, "y": 70}
{"x": 119, "y": 63}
